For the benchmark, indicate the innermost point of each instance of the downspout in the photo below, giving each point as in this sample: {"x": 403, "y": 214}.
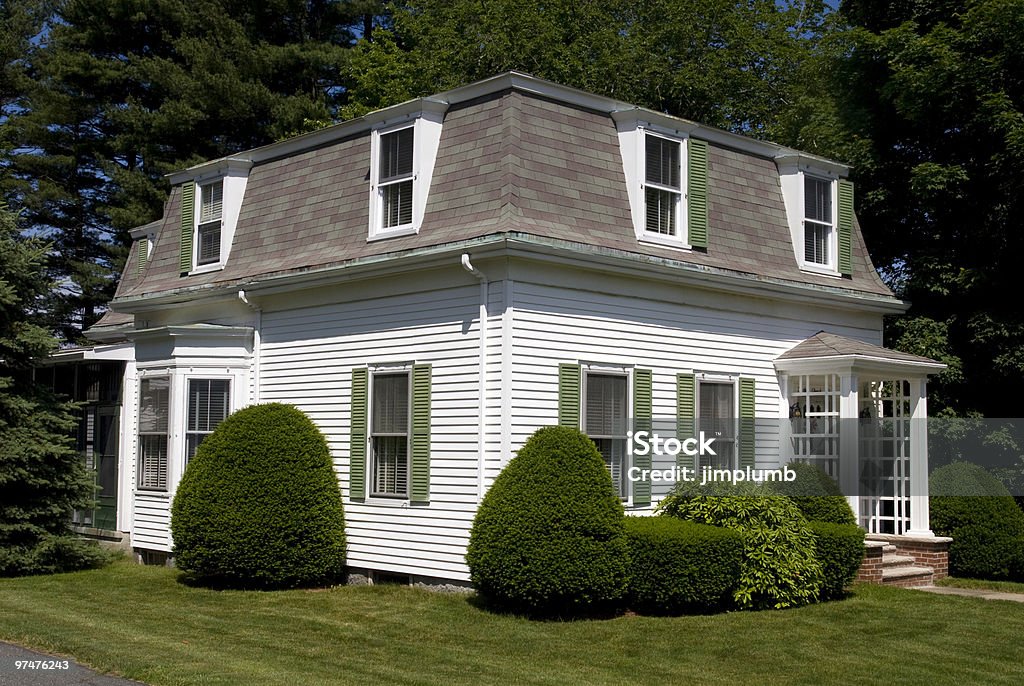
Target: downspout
{"x": 256, "y": 339}
{"x": 481, "y": 429}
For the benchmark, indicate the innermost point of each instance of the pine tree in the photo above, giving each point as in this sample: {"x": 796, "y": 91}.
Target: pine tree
{"x": 42, "y": 477}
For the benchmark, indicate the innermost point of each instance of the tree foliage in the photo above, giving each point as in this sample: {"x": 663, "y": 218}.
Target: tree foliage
{"x": 124, "y": 91}
{"x": 42, "y": 478}
{"x": 926, "y": 100}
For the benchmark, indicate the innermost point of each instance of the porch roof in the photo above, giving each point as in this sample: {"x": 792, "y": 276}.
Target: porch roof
{"x": 826, "y": 350}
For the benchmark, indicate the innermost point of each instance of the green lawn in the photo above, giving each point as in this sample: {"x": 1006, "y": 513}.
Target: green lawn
{"x": 1004, "y": 586}
{"x": 140, "y": 622}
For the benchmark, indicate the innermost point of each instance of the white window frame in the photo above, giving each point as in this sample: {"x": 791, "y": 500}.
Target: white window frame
{"x": 722, "y": 380}
{"x": 187, "y": 431}
{"x": 140, "y": 484}
{"x": 371, "y": 473}
{"x": 426, "y": 124}
{"x": 832, "y": 243}
{"x": 198, "y": 222}
{"x": 233, "y": 174}
{"x": 681, "y": 237}
{"x": 601, "y": 370}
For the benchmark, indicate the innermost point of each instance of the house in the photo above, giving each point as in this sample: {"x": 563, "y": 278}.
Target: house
{"x": 434, "y": 281}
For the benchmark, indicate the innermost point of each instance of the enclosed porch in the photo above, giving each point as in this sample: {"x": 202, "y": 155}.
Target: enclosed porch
{"x": 859, "y": 411}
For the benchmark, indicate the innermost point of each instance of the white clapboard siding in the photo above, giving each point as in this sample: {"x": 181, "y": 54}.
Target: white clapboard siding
{"x": 555, "y": 324}
{"x": 307, "y": 358}
{"x": 151, "y": 521}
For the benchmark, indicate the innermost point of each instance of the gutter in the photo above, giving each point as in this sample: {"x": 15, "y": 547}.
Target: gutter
{"x": 536, "y": 248}
{"x": 482, "y": 412}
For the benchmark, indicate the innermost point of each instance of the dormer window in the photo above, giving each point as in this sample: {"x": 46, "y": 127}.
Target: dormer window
{"x": 395, "y": 180}
{"x": 402, "y": 155}
{"x": 662, "y": 188}
{"x": 666, "y": 172}
{"x": 211, "y": 200}
{"x": 818, "y": 221}
{"x": 208, "y": 230}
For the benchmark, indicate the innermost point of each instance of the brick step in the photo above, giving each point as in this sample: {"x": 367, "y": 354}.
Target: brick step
{"x": 907, "y": 577}
{"x": 888, "y": 549}
{"x": 892, "y": 560}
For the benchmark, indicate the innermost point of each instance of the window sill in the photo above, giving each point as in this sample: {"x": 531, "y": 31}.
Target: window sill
{"x": 819, "y": 270}
{"x": 382, "y": 234}
{"x": 384, "y": 501}
{"x": 664, "y": 242}
{"x": 163, "y": 495}
{"x": 207, "y": 268}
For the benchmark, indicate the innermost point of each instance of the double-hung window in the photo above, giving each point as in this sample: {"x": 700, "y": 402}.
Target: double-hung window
{"x": 605, "y": 421}
{"x": 717, "y": 413}
{"x": 208, "y": 232}
{"x": 818, "y": 226}
{"x": 209, "y": 402}
{"x": 395, "y": 178}
{"x": 154, "y": 402}
{"x": 389, "y": 434}
{"x": 662, "y": 186}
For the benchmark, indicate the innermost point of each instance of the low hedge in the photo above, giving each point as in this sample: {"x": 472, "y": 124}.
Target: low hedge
{"x": 779, "y": 567}
{"x": 816, "y": 494}
{"x": 981, "y": 552}
{"x": 987, "y": 527}
{"x": 840, "y": 550}
{"x": 678, "y": 567}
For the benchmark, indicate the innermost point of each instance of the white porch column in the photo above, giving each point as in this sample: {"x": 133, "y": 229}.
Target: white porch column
{"x": 849, "y": 439}
{"x": 919, "y": 520}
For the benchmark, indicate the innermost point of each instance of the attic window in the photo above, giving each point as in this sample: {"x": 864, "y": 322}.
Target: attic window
{"x": 396, "y": 178}
{"x": 662, "y": 189}
{"x": 211, "y": 206}
{"x": 402, "y": 156}
{"x": 818, "y": 222}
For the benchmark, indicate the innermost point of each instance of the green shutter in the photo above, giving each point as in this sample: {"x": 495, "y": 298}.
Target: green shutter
{"x": 845, "y": 227}
{"x": 188, "y": 214}
{"x": 569, "y": 395}
{"x": 142, "y": 252}
{"x": 642, "y": 382}
{"x": 697, "y": 192}
{"x": 686, "y": 416}
{"x": 419, "y": 490}
{"x": 357, "y": 436}
{"x": 747, "y": 413}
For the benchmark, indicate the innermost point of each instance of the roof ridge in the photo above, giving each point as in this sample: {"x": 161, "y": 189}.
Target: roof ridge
{"x": 511, "y": 161}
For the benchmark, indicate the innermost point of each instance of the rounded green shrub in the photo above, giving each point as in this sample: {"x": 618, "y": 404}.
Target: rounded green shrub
{"x": 981, "y": 552}
{"x": 259, "y": 504}
{"x": 677, "y": 566}
{"x": 987, "y": 527}
{"x": 548, "y": 538}
{"x": 779, "y": 567}
{"x": 840, "y": 550}
{"x": 816, "y": 494}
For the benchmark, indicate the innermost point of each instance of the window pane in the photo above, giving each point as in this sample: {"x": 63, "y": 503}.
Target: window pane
{"x": 211, "y": 201}
{"x": 153, "y": 402}
{"x": 613, "y": 450}
{"x": 390, "y": 411}
{"x": 209, "y": 242}
{"x": 605, "y": 405}
{"x": 662, "y": 158}
{"x": 818, "y": 200}
{"x": 716, "y": 409}
{"x": 397, "y": 204}
{"x": 153, "y": 461}
{"x": 390, "y": 465}
{"x": 816, "y": 242}
{"x": 396, "y": 154}
{"x": 661, "y": 211}
{"x": 208, "y": 401}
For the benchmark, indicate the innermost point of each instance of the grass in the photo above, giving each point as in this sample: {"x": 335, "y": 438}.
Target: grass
{"x": 1003, "y": 586}
{"x": 141, "y": 623}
